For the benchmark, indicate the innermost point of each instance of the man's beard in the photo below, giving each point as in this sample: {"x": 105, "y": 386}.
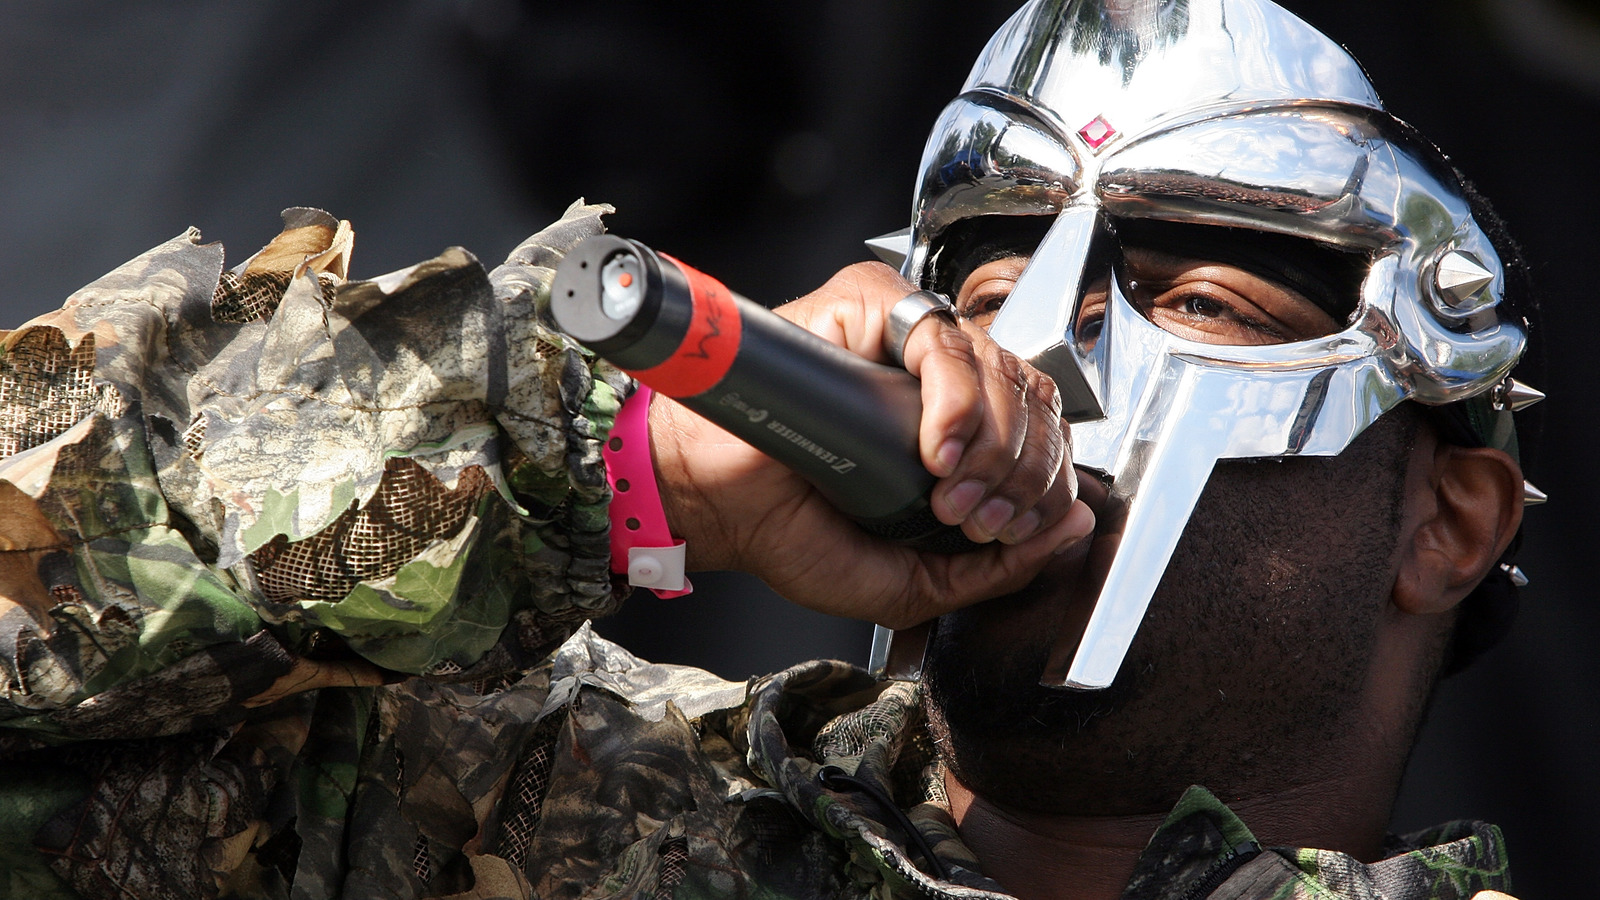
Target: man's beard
{"x": 1256, "y": 646}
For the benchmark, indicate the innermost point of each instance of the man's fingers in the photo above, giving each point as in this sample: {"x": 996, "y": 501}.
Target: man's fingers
{"x": 852, "y": 308}
{"x": 991, "y": 430}
{"x": 953, "y": 405}
{"x": 948, "y": 583}
{"x": 970, "y": 494}
{"x": 1005, "y": 569}
{"x": 1042, "y": 475}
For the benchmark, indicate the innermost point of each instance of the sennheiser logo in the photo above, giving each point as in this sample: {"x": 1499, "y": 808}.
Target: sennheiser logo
{"x": 835, "y": 461}
{"x": 757, "y": 416}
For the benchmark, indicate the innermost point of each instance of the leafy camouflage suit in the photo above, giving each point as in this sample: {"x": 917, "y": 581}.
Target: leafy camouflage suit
{"x": 285, "y": 558}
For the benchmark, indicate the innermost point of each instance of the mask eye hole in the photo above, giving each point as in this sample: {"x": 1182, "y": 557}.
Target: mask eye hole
{"x": 1206, "y": 283}
{"x": 1195, "y": 299}
{"x": 1217, "y": 303}
{"x": 983, "y": 291}
{"x": 968, "y": 249}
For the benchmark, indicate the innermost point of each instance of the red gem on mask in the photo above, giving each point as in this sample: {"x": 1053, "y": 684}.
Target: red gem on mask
{"x": 1097, "y": 132}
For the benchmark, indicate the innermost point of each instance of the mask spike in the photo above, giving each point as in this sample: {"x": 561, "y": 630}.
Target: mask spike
{"x": 1460, "y": 276}
{"x": 1532, "y": 496}
{"x": 1515, "y": 573}
{"x": 892, "y": 248}
{"x": 1515, "y": 396}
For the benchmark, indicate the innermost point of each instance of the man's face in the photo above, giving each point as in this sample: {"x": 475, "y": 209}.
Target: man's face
{"x": 1262, "y": 626}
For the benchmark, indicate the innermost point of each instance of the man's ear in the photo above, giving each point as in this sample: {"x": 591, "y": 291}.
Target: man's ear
{"x": 1463, "y": 507}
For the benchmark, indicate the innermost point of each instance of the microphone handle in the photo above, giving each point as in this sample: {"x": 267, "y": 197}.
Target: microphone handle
{"x": 845, "y": 424}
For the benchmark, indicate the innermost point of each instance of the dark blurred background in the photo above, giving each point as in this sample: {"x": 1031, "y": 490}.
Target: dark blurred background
{"x": 762, "y": 143}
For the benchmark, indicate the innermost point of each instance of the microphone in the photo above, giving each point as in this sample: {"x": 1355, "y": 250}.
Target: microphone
{"x": 845, "y": 424}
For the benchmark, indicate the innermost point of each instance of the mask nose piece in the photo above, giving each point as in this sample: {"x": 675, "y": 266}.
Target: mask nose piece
{"x": 1152, "y": 498}
{"x": 1036, "y": 321}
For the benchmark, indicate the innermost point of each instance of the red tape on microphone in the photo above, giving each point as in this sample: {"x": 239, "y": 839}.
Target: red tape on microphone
{"x": 709, "y": 347}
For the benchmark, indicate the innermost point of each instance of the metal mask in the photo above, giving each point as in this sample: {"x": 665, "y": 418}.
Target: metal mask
{"x": 1210, "y": 113}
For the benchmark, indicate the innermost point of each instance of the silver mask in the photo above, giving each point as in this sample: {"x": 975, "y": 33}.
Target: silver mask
{"x": 1208, "y": 112}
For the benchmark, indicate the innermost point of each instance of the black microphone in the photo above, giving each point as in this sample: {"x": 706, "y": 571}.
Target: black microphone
{"x": 845, "y": 424}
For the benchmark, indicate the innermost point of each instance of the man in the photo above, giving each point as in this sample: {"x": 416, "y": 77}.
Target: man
{"x": 236, "y": 508}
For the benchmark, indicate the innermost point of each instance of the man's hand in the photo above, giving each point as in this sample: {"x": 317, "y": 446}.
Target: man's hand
{"x": 991, "y": 431}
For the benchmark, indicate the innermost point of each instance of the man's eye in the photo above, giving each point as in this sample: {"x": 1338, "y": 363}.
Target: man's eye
{"x": 981, "y": 306}
{"x": 1090, "y": 324}
{"x": 1206, "y": 307}
{"x": 1217, "y": 303}
{"x": 983, "y": 292}
{"x": 1187, "y": 302}
{"x": 1202, "y": 315}
{"x": 984, "y": 306}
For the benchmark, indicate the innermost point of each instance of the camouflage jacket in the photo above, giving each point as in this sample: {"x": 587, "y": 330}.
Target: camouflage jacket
{"x": 282, "y": 564}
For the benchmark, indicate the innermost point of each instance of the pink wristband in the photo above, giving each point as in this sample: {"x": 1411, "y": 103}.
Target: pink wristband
{"x": 641, "y": 544}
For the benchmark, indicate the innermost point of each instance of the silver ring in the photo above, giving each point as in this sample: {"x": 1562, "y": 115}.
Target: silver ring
{"x": 904, "y": 316}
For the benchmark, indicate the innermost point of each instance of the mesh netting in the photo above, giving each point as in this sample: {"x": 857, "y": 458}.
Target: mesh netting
{"x": 194, "y": 437}
{"x": 674, "y": 854}
{"x": 255, "y": 296}
{"x": 45, "y": 388}
{"x": 526, "y": 793}
{"x": 410, "y": 510}
{"x": 849, "y": 735}
{"x": 421, "y": 859}
{"x": 882, "y": 731}
{"x": 248, "y": 298}
{"x": 444, "y": 668}
{"x": 777, "y": 829}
